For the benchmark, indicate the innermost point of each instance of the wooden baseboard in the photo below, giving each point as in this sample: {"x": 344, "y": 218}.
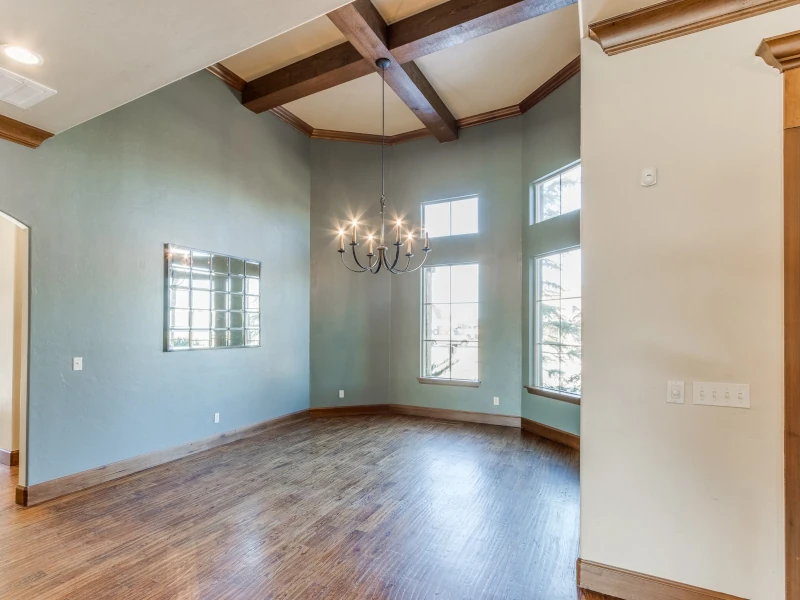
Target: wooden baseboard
{"x": 552, "y": 434}
{"x": 49, "y": 490}
{"x": 350, "y": 411}
{"x": 629, "y": 585}
{"x": 9, "y": 457}
{"x": 462, "y": 416}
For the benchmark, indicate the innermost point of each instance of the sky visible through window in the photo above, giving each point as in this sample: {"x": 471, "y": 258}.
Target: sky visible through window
{"x": 454, "y": 217}
{"x": 450, "y": 322}
{"x": 557, "y": 194}
{"x": 558, "y": 327}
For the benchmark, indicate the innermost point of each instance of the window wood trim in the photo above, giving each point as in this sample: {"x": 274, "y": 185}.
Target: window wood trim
{"x": 553, "y": 394}
{"x": 453, "y": 382}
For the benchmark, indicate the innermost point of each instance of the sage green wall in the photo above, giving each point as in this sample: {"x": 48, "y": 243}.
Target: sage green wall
{"x": 551, "y": 140}
{"x": 189, "y": 165}
{"x": 365, "y": 328}
{"x": 485, "y": 162}
{"x": 350, "y": 313}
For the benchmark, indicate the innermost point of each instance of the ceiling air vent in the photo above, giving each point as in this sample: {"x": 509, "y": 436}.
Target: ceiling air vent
{"x": 21, "y": 91}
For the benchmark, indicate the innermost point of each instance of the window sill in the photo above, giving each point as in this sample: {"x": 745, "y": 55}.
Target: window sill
{"x": 554, "y": 395}
{"x": 454, "y": 382}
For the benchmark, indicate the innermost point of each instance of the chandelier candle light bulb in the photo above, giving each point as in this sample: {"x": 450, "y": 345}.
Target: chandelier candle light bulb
{"x": 383, "y": 260}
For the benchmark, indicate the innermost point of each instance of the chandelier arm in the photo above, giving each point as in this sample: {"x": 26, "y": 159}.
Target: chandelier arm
{"x": 377, "y": 264}
{"x": 355, "y": 258}
{"x": 350, "y": 268}
{"x": 419, "y": 266}
{"x": 396, "y": 256}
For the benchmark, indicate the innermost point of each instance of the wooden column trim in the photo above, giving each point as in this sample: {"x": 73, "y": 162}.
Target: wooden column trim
{"x": 674, "y": 18}
{"x": 22, "y": 133}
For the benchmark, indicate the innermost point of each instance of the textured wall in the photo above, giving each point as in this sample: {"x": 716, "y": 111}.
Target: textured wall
{"x": 551, "y": 140}
{"x": 186, "y": 164}
{"x": 684, "y": 281}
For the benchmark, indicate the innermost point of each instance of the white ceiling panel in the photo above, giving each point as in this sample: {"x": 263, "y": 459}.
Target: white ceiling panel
{"x": 100, "y": 54}
{"x": 356, "y": 106}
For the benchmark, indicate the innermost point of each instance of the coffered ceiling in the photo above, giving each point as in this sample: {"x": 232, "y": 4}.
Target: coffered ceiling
{"x": 484, "y": 73}
{"x": 100, "y": 54}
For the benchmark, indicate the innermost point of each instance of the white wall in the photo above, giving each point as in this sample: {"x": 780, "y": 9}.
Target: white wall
{"x": 684, "y": 281}
{"x": 8, "y": 245}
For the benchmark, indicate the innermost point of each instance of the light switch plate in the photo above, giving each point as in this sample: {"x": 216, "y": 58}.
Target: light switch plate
{"x": 731, "y": 395}
{"x": 77, "y": 363}
{"x": 497, "y": 401}
{"x": 675, "y": 393}
{"x": 341, "y": 393}
{"x": 216, "y": 417}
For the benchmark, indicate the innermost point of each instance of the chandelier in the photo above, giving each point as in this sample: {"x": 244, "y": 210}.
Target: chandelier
{"x": 373, "y": 262}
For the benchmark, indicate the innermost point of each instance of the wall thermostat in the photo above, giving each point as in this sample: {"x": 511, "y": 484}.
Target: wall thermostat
{"x": 649, "y": 176}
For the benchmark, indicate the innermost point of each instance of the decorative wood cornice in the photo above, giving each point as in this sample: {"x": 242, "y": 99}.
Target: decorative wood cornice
{"x": 293, "y": 120}
{"x": 21, "y": 133}
{"x": 674, "y": 18}
{"x": 781, "y": 52}
{"x": 621, "y": 583}
{"x": 228, "y": 76}
{"x": 488, "y": 117}
{"x": 551, "y": 85}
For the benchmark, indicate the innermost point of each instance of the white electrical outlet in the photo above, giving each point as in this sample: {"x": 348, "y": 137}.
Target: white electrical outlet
{"x": 216, "y": 417}
{"x": 77, "y": 363}
{"x": 496, "y": 401}
{"x": 341, "y": 393}
{"x": 675, "y": 392}
{"x": 732, "y": 395}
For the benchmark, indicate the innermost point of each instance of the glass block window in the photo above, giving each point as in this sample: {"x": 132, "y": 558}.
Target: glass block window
{"x": 556, "y": 194}
{"x": 450, "y": 322}
{"x": 211, "y": 300}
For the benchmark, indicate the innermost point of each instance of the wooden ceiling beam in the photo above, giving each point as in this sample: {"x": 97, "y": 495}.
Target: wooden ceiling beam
{"x": 364, "y": 27}
{"x": 458, "y": 21}
{"x": 316, "y": 73}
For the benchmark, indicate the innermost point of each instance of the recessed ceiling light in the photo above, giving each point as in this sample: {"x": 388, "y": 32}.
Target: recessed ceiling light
{"x": 22, "y": 55}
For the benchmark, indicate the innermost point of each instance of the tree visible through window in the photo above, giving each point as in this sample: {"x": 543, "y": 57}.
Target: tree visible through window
{"x": 450, "y": 322}
{"x": 556, "y": 194}
{"x": 558, "y": 324}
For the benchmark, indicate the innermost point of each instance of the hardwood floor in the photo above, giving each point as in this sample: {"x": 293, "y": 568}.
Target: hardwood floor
{"x": 376, "y": 507}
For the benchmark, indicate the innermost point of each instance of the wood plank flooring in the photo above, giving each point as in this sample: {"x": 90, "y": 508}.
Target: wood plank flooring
{"x": 380, "y": 507}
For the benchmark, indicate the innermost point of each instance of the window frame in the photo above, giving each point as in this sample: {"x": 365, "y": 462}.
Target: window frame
{"x": 535, "y": 330}
{"x": 422, "y": 378}
{"x": 533, "y": 208}
{"x": 168, "y": 248}
{"x": 449, "y": 201}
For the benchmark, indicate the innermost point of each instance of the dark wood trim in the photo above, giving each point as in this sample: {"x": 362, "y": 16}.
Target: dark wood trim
{"x": 781, "y": 52}
{"x": 553, "y": 394}
{"x": 552, "y": 434}
{"x": 674, "y": 18}
{"x": 350, "y": 411}
{"x": 791, "y": 308}
{"x": 21, "y": 133}
{"x": 629, "y": 585}
{"x": 490, "y": 116}
{"x": 461, "y": 416}
{"x": 9, "y": 457}
{"x": 410, "y": 136}
{"x": 348, "y": 136}
{"x": 457, "y": 21}
{"x": 364, "y": 27}
{"x": 228, "y": 76}
{"x": 551, "y": 85}
{"x": 48, "y": 490}
{"x": 316, "y": 73}
{"x": 293, "y": 120}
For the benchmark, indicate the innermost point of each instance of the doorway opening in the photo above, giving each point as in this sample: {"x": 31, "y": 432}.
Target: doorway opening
{"x": 14, "y": 269}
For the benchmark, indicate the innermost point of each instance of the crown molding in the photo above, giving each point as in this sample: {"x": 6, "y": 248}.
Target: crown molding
{"x": 515, "y": 110}
{"x": 674, "y": 18}
{"x": 22, "y": 133}
{"x": 228, "y": 76}
{"x": 551, "y": 85}
{"x": 782, "y": 51}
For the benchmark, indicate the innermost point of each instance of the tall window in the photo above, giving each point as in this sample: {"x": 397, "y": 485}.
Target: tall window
{"x": 212, "y": 300}
{"x": 450, "y": 217}
{"x": 556, "y": 194}
{"x": 557, "y": 352}
{"x": 450, "y": 322}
